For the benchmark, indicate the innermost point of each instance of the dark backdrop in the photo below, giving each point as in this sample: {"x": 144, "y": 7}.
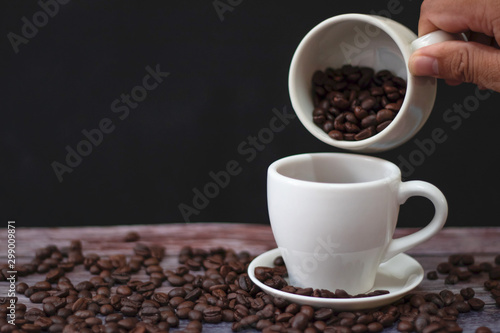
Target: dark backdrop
{"x": 220, "y": 76}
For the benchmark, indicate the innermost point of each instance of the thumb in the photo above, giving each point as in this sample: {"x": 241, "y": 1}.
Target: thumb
{"x": 457, "y": 61}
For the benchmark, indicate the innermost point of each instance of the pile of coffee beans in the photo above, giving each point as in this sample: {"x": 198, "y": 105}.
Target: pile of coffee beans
{"x": 354, "y": 103}
{"x": 274, "y": 277}
{"x": 208, "y": 286}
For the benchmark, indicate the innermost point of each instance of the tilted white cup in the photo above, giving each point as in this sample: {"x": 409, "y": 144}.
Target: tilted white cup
{"x": 370, "y": 41}
{"x": 333, "y": 216}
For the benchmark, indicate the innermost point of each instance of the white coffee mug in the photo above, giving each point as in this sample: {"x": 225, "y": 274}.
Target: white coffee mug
{"x": 370, "y": 41}
{"x": 333, "y": 216}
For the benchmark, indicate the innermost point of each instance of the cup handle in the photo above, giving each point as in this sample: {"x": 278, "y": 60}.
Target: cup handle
{"x": 431, "y": 192}
{"x": 436, "y": 37}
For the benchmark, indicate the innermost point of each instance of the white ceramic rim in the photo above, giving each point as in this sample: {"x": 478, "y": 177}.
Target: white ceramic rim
{"x": 393, "y": 172}
{"x": 404, "y": 49}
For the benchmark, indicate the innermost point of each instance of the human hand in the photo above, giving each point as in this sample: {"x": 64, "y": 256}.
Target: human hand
{"x": 476, "y": 61}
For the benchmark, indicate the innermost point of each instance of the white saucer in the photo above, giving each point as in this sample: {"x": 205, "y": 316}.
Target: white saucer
{"x": 398, "y": 275}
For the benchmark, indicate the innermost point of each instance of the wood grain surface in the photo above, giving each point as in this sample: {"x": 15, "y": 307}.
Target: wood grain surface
{"x": 483, "y": 243}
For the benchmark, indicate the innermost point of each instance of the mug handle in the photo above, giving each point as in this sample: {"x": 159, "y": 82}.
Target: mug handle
{"x": 434, "y": 37}
{"x": 431, "y": 192}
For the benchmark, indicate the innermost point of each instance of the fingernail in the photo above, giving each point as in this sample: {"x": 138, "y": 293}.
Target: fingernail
{"x": 424, "y": 66}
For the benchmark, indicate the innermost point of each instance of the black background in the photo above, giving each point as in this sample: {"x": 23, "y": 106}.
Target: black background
{"x": 227, "y": 74}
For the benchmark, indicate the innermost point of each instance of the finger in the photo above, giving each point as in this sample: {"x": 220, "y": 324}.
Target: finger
{"x": 459, "y": 16}
{"x": 460, "y": 62}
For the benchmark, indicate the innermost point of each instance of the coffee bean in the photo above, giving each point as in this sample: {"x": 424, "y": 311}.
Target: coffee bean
{"x": 365, "y": 133}
{"x": 369, "y": 121}
{"x": 455, "y": 259}
{"x": 176, "y": 280}
{"x": 31, "y": 328}
{"x": 347, "y": 322}
{"x": 432, "y": 275}
{"x": 365, "y": 319}
{"x": 417, "y": 300}
{"x": 494, "y": 273}
{"x": 483, "y": 329}
{"x": 464, "y": 275}
{"x": 54, "y": 275}
{"x": 21, "y": 287}
{"x": 39, "y": 296}
{"x": 432, "y": 327}
{"x": 340, "y": 293}
{"x": 421, "y": 322}
{"x": 405, "y": 326}
{"x": 106, "y": 309}
{"x": 131, "y": 236}
{"x": 495, "y": 292}
{"x": 451, "y": 279}
{"x": 56, "y": 328}
{"x": 43, "y": 322}
{"x": 351, "y": 128}
{"x": 375, "y": 327}
{"x": 475, "y": 268}
{"x": 434, "y": 298}
{"x": 336, "y": 135}
{"x": 84, "y": 314}
{"x": 467, "y": 293}
{"x": 284, "y": 317}
{"x": 476, "y": 304}
{"x": 380, "y": 127}
{"x": 429, "y": 308}
{"x": 359, "y": 328}
{"x": 360, "y": 112}
{"x": 377, "y": 91}
{"x": 114, "y": 317}
{"x": 124, "y": 290}
{"x": 387, "y": 320}
{"x": 444, "y": 268}
{"x": 33, "y": 314}
{"x": 245, "y": 283}
{"x": 368, "y": 103}
{"x": 212, "y": 314}
{"x": 489, "y": 285}
{"x": 49, "y": 309}
{"x": 340, "y": 102}
{"x": 64, "y": 312}
{"x": 319, "y": 77}
{"x": 384, "y": 115}
{"x": 80, "y": 304}
{"x": 461, "y": 306}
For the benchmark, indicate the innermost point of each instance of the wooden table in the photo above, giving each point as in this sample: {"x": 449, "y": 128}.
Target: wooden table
{"x": 483, "y": 243}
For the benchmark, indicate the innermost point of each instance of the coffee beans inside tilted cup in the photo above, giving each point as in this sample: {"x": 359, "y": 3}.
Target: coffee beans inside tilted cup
{"x": 354, "y": 103}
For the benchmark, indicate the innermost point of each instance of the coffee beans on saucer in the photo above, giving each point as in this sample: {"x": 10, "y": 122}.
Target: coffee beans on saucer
{"x": 275, "y": 278}
{"x": 354, "y": 103}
